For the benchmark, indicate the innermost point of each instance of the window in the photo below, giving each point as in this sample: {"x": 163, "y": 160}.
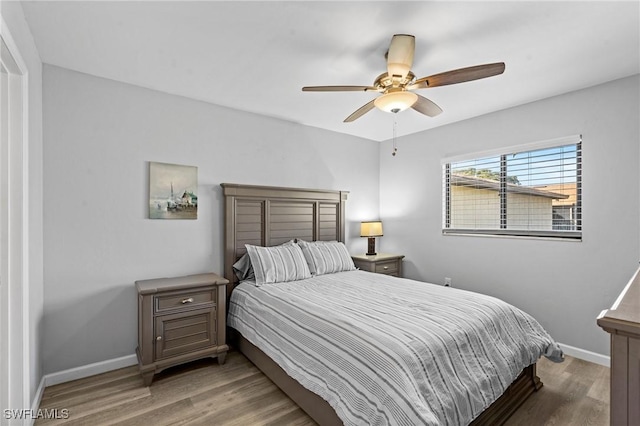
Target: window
{"x": 535, "y": 190}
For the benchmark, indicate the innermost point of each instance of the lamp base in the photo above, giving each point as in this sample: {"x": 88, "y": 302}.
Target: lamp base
{"x": 371, "y": 247}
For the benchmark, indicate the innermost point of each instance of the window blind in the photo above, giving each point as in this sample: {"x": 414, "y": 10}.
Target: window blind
{"x": 534, "y": 192}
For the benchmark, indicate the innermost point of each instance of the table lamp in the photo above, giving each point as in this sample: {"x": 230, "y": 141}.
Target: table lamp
{"x": 371, "y": 230}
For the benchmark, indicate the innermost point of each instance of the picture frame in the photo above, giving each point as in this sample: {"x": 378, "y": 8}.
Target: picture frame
{"x": 173, "y": 191}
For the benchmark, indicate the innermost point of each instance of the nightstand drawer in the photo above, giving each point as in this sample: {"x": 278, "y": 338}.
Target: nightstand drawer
{"x": 190, "y": 300}
{"x": 389, "y": 267}
{"x": 383, "y": 263}
{"x": 184, "y": 332}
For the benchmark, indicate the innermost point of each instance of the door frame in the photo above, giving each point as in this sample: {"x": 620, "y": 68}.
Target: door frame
{"x": 15, "y": 356}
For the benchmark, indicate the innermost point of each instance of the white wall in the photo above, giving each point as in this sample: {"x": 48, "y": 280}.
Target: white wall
{"x": 99, "y": 136}
{"x": 14, "y": 18}
{"x": 564, "y": 285}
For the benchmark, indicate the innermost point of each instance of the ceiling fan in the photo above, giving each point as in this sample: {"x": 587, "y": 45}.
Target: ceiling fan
{"x": 397, "y": 83}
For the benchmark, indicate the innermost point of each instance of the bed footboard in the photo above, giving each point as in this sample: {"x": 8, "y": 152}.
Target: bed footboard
{"x": 516, "y": 394}
{"x": 316, "y": 407}
{"x": 320, "y": 410}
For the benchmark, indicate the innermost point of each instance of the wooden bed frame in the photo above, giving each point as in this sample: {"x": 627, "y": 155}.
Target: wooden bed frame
{"x": 268, "y": 216}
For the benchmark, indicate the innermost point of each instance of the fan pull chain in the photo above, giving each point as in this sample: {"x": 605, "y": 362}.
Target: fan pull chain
{"x": 395, "y": 126}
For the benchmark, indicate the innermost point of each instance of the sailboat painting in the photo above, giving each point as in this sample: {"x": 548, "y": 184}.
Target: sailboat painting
{"x": 173, "y": 191}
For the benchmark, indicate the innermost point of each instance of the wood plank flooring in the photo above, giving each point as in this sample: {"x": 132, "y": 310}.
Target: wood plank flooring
{"x": 575, "y": 392}
{"x": 237, "y": 393}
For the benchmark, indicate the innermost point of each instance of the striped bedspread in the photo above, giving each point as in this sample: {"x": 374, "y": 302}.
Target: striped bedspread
{"x": 390, "y": 351}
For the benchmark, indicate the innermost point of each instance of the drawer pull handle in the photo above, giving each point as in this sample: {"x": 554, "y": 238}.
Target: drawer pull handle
{"x": 189, "y": 300}
{"x": 159, "y": 338}
{"x": 385, "y": 268}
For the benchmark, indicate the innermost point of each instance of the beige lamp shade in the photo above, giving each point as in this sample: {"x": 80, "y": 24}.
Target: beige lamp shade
{"x": 371, "y": 229}
{"x": 395, "y": 101}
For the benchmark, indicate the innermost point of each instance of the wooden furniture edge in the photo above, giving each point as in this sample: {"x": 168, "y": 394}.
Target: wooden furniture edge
{"x": 163, "y": 364}
{"x": 241, "y": 190}
{"x": 624, "y": 315}
{"x": 511, "y": 399}
{"x": 378, "y": 257}
{"x": 622, "y": 322}
{"x": 154, "y": 285}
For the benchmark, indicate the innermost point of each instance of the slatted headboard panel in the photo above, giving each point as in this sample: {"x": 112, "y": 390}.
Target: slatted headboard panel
{"x": 268, "y": 216}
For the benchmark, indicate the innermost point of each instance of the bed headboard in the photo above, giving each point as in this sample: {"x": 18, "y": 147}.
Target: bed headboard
{"x": 268, "y": 216}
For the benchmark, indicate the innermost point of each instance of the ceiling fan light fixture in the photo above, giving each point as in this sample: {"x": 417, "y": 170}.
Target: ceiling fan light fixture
{"x": 396, "y": 101}
{"x": 396, "y": 85}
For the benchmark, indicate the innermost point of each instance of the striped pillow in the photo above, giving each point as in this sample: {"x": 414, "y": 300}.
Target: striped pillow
{"x": 278, "y": 264}
{"x": 326, "y": 257}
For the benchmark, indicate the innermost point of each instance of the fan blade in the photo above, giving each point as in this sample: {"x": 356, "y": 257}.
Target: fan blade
{"x": 426, "y": 107}
{"x": 360, "y": 111}
{"x": 400, "y": 55}
{"x": 339, "y": 89}
{"x": 458, "y": 76}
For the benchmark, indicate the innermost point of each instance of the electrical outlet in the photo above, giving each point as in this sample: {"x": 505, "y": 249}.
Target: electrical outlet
{"x": 447, "y": 282}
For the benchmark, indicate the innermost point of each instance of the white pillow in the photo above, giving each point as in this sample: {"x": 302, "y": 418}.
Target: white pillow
{"x": 326, "y": 257}
{"x": 278, "y": 264}
{"x": 243, "y": 269}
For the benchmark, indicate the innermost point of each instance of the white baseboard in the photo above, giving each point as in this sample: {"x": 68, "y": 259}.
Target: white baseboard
{"x": 586, "y": 355}
{"x": 89, "y": 370}
{"x": 36, "y": 399}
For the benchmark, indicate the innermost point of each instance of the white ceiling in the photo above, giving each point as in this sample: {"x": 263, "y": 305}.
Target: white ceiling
{"x": 256, "y": 56}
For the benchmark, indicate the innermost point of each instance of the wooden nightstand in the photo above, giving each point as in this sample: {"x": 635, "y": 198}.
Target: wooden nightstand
{"x": 179, "y": 320}
{"x": 381, "y": 263}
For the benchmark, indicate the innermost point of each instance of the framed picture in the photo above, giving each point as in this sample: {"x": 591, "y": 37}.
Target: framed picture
{"x": 173, "y": 191}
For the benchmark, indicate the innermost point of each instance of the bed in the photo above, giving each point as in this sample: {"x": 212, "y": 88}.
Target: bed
{"x": 319, "y": 377}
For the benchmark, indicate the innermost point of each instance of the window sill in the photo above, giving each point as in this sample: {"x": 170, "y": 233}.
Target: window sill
{"x": 572, "y": 237}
